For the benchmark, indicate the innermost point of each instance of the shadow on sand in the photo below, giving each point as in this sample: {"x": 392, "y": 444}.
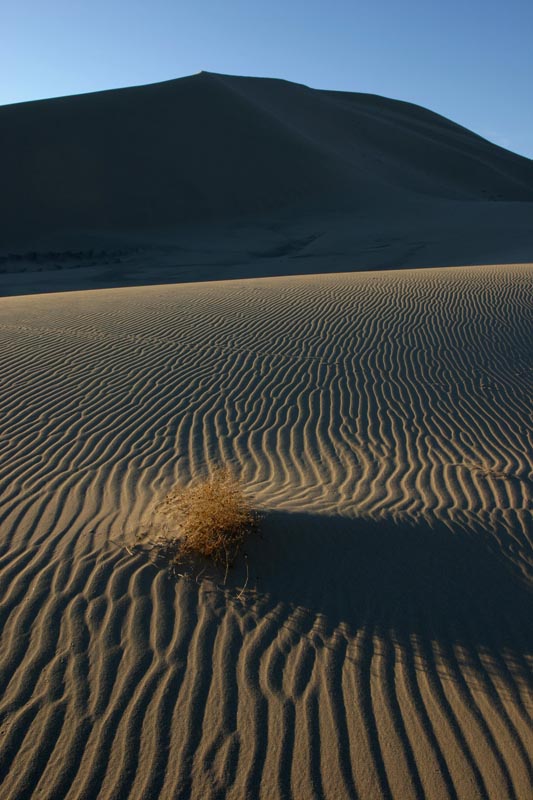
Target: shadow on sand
{"x": 399, "y": 578}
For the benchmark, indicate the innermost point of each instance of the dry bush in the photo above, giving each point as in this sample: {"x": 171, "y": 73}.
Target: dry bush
{"x": 210, "y": 519}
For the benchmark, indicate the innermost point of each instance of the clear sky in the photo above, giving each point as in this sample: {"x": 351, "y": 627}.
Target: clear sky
{"x": 471, "y": 60}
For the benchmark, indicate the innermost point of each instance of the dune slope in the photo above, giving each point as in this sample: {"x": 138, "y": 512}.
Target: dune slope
{"x": 383, "y": 646}
{"x": 256, "y": 169}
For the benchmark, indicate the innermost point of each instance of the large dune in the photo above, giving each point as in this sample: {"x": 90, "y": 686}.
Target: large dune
{"x": 383, "y": 646}
{"x": 218, "y": 176}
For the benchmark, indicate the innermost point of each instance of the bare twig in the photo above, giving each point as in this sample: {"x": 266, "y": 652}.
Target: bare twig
{"x": 246, "y": 581}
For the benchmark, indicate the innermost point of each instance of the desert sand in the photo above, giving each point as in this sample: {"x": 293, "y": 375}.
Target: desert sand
{"x": 383, "y": 646}
{"x": 376, "y": 642}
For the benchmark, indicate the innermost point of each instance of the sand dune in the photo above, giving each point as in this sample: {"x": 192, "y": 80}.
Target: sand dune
{"x": 214, "y": 176}
{"x": 383, "y": 646}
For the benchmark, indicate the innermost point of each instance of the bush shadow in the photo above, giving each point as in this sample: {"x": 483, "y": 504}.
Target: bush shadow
{"x": 425, "y": 579}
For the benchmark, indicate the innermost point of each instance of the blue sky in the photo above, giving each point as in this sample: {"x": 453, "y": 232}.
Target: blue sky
{"x": 471, "y": 61}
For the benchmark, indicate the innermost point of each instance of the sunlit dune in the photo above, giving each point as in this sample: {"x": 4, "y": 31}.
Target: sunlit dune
{"x": 376, "y": 642}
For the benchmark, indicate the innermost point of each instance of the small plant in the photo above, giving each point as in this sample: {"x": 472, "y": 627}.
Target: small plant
{"x": 210, "y": 519}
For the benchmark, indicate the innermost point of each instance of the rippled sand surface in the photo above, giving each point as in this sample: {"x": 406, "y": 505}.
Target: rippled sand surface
{"x": 383, "y": 646}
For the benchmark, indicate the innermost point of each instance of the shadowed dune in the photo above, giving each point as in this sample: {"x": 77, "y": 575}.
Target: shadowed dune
{"x": 214, "y": 176}
{"x": 382, "y": 647}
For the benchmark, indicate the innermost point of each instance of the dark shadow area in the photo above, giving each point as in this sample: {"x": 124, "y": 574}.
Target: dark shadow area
{"x": 399, "y": 578}
{"x": 38, "y": 272}
{"x": 215, "y": 177}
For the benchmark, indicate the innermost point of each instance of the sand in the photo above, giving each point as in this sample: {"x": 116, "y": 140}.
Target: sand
{"x": 383, "y": 645}
{"x": 247, "y": 271}
{"x": 215, "y": 176}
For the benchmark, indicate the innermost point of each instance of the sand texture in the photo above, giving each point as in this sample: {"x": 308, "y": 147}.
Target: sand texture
{"x": 383, "y": 646}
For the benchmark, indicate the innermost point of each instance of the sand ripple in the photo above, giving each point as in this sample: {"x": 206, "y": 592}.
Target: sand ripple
{"x": 384, "y": 422}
